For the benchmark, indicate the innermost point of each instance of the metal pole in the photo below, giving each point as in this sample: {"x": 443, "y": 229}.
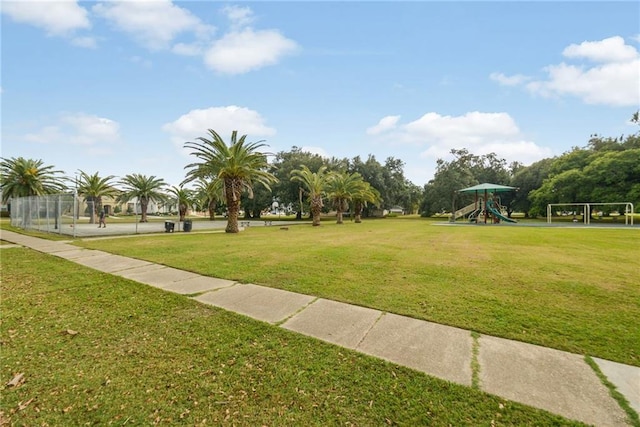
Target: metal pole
{"x": 75, "y": 207}
{"x": 453, "y": 208}
{"x": 59, "y": 214}
{"x": 46, "y": 206}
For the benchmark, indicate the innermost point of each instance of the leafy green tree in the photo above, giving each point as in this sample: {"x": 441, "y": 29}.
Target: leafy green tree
{"x": 341, "y": 188}
{"x": 440, "y": 193}
{"x": 411, "y": 197}
{"x": 313, "y": 184}
{"x": 606, "y": 170}
{"x": 387, "y": 179}
{"x": 614, "y": 177}
{"x": 464, "y": 170}
{"x": 577, "y": 158}
{"x": 183, "y": 198}
{"x": 145, "y": 188}
{"x": 238, "y": 165}
{"x": 209, "y": 193}
{"x": 20, "y": 177}
{"x": 253, "y": 206}
{"x": 527, "y": 179}
{"x": 566, "y": 187}
{"x": 287, "y": 191}
{"x": 395, "y": 192}
{"x": 93, "y": 188}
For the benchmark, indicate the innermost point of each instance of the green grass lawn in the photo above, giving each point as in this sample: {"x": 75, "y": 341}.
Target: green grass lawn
{"x": 572, "y": 289}
{"x": 96, "y": 349}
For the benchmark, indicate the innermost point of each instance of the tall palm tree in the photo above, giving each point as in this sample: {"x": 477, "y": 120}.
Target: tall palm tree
{"x": 145, "y": 188}
{"x": 238, "y": 165}
{"x": 314, "y": 185}
{"x": 20, "y": 177}
{"x": 184, "y": 198}
{"x": 365, "y": 194}
{"x": 341, "y": 188}
{"x": 209, "y": 193}
{"x": 93, "y": 188}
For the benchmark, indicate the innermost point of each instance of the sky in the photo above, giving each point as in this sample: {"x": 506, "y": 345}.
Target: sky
{"x": 118, "y": 87}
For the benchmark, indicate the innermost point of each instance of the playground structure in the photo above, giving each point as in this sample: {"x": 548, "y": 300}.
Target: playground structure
{"x": 587, "y": 211}
{"x": 486, "y": 204}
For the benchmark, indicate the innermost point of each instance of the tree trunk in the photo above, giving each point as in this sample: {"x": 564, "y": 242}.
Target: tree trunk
{"x": 91, "y": 207}
{"x": 299, "y": 214}
{"x": 99, "y": 206}
{"x": 183, "y": 211}
{"x": 233, "y": 205}
{"x": 357, "y": 212}
{"x": 143, "y": 209}
{"x": 340, "y": 206}
{"x": 212, "y": 210}
{"x": 316, "y": 208}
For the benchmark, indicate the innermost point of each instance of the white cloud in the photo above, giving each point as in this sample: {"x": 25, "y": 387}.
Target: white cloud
{"x": 515, "y": 80}
{"x": 57, "y": 18}
{"x": 612, "y": 49}
{"x": 77, "y": 129}
{"x": 470, "y": 130}
{"x": 610, "y": 79}
{"x": 480, "y": 133}
{"x": 238, "y": 16}
{"x": 223, "y": 120}
{"x": 154, "y": 24}
{"x": 615, "y": 84}
{"x": 385, "y": 124}
{"x": 247, "y": 50}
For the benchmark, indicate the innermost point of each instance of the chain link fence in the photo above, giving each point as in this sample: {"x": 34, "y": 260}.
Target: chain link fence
{"x": 71, "y": 215}
{"x": 56, "y": 213}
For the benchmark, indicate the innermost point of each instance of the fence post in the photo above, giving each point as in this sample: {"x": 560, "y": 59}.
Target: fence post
{"x": 75, "y": 209}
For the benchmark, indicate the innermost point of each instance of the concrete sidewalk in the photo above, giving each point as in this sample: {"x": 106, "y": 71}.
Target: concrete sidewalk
{"x": 557, "y": 381}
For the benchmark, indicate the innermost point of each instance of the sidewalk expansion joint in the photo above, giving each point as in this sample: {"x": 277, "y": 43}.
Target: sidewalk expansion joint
{"x": 283, "y": 321}
{"x": 208, "y": 291}
{"x": 475, "y": 363}
{"x": 633, "y": 417}
{"x": 369, "y": 330}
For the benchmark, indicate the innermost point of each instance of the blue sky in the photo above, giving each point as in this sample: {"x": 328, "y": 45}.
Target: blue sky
{"x": 118, "y": 87}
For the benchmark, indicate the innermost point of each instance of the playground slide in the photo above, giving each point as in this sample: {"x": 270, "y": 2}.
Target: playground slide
{"x": 497, "y": 213}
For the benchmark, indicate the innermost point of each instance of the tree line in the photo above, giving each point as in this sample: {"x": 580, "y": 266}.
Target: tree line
{"x": 606, "y": 170}
{"x": 237, "y": 176}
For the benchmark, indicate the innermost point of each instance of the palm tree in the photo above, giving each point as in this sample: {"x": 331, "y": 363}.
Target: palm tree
{"x": 341, "y": 188}
{"x": 20, "y": 177}
{"x": 365, "y": 194}
{"x": 183, "y": 198}
{"x": 209, "y": 193}
{"x": 145, "y": 188}
{"x": 314, "y": 185}
{"x": 238, "y": 165}
{"x": 93, "y": 188}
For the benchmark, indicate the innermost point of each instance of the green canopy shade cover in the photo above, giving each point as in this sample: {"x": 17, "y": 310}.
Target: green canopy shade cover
{"x": 489, "y": 188}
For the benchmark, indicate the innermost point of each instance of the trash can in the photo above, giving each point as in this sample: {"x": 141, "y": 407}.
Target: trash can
{"x": 187, "y": 225}
{"x": 169, "y": 226}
